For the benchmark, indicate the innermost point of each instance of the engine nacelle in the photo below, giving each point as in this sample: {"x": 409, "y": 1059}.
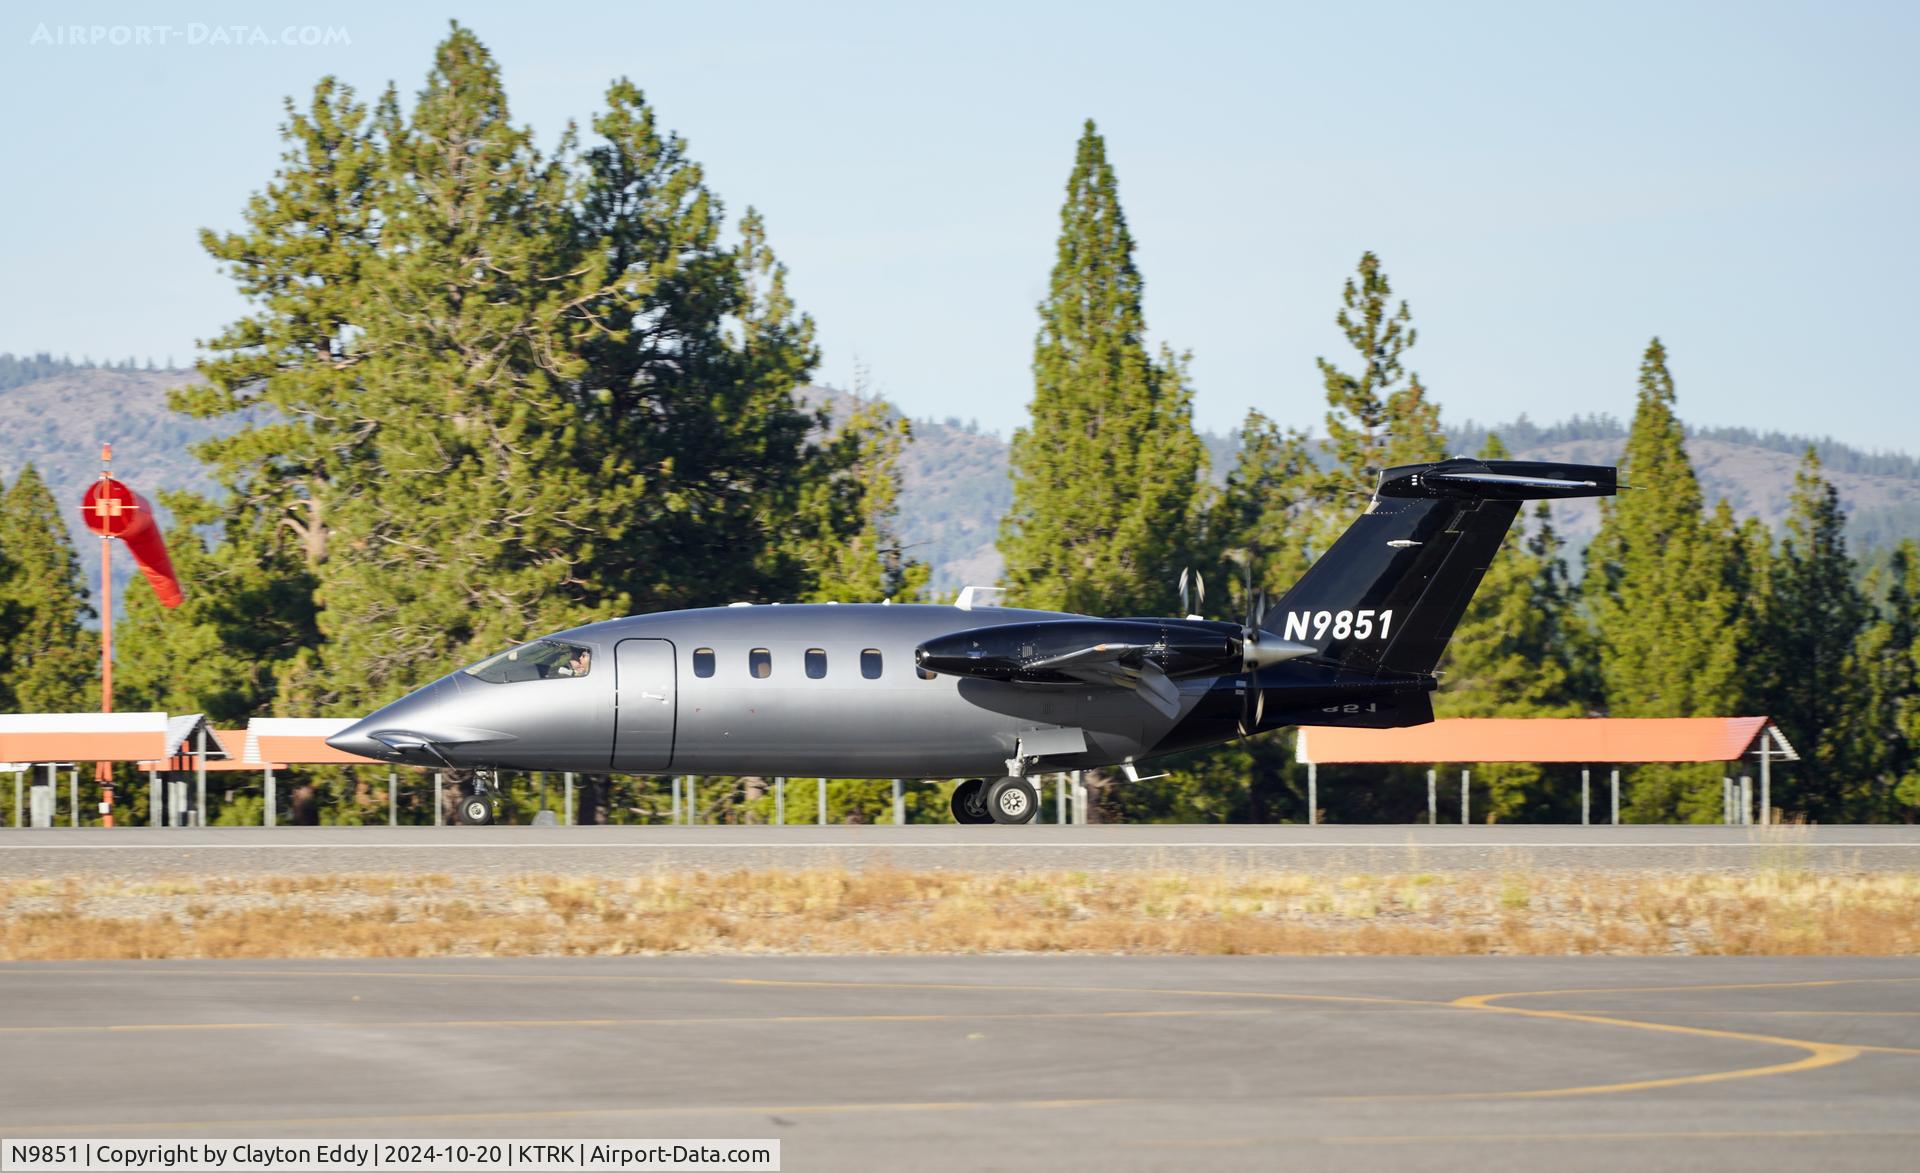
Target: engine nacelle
{"x": 1031, "y": 653}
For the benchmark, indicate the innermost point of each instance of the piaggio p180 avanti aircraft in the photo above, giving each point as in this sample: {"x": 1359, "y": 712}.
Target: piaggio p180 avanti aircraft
{"x": 987, "y": 695}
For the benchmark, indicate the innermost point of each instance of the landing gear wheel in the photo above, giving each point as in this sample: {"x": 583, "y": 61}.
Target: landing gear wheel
{"x": 476, "y": 810}
{"x": 1012, "y": 801}
{"x": 969, "y": 803}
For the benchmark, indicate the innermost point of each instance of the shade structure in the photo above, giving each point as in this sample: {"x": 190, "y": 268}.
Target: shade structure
{"x": 1577, "y": 739}
{"x": 82, "y": 737}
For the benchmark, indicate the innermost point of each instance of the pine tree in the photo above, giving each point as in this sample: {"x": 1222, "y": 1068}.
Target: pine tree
{"x": 1665, "y": 617}
{"x": 1106, "y": 475}
{"x": 1815, "y": 615}
{"x": 1259, "y": 518}
{"x": 1885, "y": 722}
{"x": 50, "y": 657}
{"x": 1381, "y": 416}
{"x": 490, "y": 512}
{"x": 848, "y": 516}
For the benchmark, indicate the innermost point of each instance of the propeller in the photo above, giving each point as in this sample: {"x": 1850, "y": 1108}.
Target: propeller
{"x": 1255, "y": 697}
{"x": 1199, "y": 584}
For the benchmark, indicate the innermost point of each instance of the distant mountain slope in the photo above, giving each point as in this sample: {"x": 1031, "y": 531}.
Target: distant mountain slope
{"x": 954, "y": 483}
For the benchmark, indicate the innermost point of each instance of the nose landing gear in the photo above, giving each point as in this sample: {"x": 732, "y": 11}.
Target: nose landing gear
{"x": 475, "y": 809}
{"x": 1008, "y": 801}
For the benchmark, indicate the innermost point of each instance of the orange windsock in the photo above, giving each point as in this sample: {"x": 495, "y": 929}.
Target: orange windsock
{"x": 113, "y": 510}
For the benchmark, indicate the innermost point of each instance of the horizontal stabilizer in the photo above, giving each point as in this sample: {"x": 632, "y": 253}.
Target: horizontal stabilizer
{"x": 1499, "y": 480}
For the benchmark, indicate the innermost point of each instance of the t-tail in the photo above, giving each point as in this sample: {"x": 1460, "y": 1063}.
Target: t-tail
{"x": 1388, "y": 594}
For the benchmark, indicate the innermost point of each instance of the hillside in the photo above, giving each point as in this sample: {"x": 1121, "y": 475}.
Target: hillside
{"x": 954, "y": 476}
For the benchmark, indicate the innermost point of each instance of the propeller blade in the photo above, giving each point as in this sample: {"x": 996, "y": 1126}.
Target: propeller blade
{"x": 1199, "y": 595}
{"x": 1184, "y": 610}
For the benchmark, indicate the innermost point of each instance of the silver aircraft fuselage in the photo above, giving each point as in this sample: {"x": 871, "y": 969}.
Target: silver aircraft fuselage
{"x": 645, "y": 705}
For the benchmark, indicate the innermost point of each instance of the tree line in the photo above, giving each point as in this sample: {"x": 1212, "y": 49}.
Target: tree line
{"x": 488, "y": 391}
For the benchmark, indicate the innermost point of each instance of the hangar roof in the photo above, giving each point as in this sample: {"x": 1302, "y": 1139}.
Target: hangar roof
{"x": 1543, "y": 739}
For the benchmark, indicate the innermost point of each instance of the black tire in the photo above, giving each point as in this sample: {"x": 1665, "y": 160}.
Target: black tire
{"x": 969, "y": 803}
{"x": 476, "y": 810}
{"x": 1012, "y": 801}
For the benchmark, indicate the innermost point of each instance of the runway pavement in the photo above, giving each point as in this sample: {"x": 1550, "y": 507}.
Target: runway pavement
{"x": 625, "y": 850}
{"x": 939, "y": 1063}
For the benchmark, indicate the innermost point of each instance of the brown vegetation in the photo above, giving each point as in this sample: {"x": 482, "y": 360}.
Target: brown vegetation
{"x": 881, "y": 911}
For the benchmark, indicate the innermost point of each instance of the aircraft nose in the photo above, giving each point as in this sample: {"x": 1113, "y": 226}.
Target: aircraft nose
{"x": 355, "y": 739}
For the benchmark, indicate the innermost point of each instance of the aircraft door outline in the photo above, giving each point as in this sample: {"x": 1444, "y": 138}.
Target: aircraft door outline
{"x": 646, "y": 710}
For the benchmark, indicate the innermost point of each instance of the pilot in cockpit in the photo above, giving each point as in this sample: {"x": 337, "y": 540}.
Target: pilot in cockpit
{"x": 578, "y": 664}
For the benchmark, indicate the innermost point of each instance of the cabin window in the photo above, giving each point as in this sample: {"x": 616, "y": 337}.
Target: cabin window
{"x": 760, "y": 663}
{"x": 870, "y": 663}
{"x": 816, "y": 663}
{"x": 703, "y": 662}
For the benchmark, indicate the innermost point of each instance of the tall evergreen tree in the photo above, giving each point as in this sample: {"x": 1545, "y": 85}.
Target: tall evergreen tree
{"x": 1106, "y": 474}
{"x": 848, "y": 518}
{"x": 1380, "y": 416}
{"x": 1815, "y": 615}
{"x": 50, "y": 657}
{"x": 488, "y": 515}
{"x": 1885, "y": 724}
{"x": 1259, "y": 518}
{"x": 1659, "y": 590}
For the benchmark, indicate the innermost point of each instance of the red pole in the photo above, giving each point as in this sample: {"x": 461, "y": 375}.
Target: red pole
{"x": 103, "y": 771}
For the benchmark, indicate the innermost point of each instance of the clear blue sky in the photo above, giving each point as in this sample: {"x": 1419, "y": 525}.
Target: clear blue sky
{"x": 1548, "y": 185}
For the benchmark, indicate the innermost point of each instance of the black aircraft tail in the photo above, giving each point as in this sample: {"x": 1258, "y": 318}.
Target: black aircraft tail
{"x": 1387, "y": 595}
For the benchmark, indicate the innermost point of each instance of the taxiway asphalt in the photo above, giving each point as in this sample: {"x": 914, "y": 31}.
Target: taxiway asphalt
{"x": 939, "y": 1063}
{"x": 144, "y": 851}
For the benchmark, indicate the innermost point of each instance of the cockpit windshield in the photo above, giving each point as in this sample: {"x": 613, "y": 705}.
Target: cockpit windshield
{"x": 543, "y": 659}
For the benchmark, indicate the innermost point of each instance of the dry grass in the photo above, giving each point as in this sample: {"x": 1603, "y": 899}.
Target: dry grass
{"x": 883, "y": 911}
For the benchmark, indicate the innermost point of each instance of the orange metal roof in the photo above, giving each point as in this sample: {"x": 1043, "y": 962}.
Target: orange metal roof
{"x": 82, "y": 737}
{"x": 1578, "y": 739}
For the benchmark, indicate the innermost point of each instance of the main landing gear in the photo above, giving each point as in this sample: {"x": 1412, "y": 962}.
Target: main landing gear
{"x": 1009, "y": 801}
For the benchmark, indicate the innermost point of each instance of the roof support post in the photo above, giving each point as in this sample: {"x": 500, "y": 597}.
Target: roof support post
{"x": 1726, "y": 800}
{"x": 1766, "y": 777}
{"x": 899, "y": 805}
{"x": 1586, "y": 796}
{"x": 1433, "y": 798}
{"x": 676, "y": 800}
{"x": 822, "y": 803}
{"x": 393, "y": 799}
{"x": 200, "y": 775}
{"x": 1616, "y": 796}
{"x": 73, "y": 793}
{"x": 779, "y": 802}
{"x": 271, "y": 816}
{"x": 439, "y": 811}
{"x": 1466, "y": 778}
{"x": 1313, "y": 794}
{"x": 155, "y": 800}
{"x": 693, "y": 807}
{"x": 19, "y": 795}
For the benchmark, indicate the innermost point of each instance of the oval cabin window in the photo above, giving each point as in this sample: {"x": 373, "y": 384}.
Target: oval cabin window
{"x": 703, "y": 662}
{"x": 816, "y": 663}
{"x": 760, "y": 663}
{"x": 870, "y": 663}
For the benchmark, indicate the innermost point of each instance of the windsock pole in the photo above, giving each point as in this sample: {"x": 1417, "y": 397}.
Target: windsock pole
{"x": 103, "y": 771}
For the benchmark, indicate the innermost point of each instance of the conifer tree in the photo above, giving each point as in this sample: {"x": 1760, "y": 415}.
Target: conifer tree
{"x": 50, "y": 658}
{"x": 1380, "y": 416}
{"x": 1815, "y": 615}
{"x": 848, "y": 518}
{"x": 1887, "y": 721}
{"x": 1666, "y": 621}
{"x": 1106, "y": 474}
{"x": 1259, "y": 519}
{"x": 488, "y": 516}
